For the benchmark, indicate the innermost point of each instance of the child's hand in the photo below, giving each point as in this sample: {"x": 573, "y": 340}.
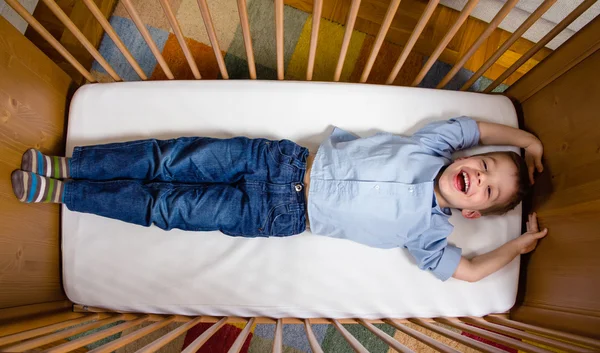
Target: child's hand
{"x": 533, "y": 158}
{"x": 528, "y": 241}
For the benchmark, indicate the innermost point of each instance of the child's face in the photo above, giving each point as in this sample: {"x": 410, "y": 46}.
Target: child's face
{"x": 477, "y": 183}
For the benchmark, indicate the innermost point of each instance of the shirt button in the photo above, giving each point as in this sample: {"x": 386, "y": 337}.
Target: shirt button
{"x": 376, "y": 187}
{"x": 298, "y": 187}
{"x": 411, "y": 189}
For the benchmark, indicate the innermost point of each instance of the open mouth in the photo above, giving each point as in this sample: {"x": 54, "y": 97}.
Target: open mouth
{"x": 462, "y": 182}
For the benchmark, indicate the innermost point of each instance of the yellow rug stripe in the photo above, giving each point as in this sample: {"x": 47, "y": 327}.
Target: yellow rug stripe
{"x": 329, "y": 45}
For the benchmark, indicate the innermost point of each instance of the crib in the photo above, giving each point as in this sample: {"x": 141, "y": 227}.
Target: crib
{"x": 557, "y": 305}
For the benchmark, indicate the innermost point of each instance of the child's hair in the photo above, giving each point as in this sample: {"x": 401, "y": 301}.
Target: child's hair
{"x": 523, "y": 186}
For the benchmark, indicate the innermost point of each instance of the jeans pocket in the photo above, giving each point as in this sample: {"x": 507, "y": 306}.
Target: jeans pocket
{"x": 287, "y": 153}
{"x": 280, "y": 222}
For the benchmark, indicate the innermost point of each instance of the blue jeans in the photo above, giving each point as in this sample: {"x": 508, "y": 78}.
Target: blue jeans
{"x": 239, "y": 186}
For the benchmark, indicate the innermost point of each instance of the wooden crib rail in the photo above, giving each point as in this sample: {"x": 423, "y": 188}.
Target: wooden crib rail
{"x": 317, "y": 11}
{"x": 496, "y": 328}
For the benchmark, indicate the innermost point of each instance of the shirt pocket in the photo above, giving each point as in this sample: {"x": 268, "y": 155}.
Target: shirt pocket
{"x": 403, "y": 207}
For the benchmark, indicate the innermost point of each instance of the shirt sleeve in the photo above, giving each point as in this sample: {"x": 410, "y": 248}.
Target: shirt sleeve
{"x": 444, "y": 137}
{"x": 432, "y": 251}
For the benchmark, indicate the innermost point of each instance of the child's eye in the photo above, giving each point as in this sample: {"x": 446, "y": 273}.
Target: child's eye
{"x": 484, "y": 165}
{"x": 489, "y": 190}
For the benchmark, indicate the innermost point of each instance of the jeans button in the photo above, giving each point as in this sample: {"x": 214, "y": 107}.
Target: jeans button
{"x": 298, "y": 187}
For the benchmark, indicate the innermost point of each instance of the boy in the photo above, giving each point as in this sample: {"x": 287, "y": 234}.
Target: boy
{"x": 383, "y": 191}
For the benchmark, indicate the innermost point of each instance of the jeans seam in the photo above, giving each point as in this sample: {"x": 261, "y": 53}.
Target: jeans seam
{"x": 105, "y": 147}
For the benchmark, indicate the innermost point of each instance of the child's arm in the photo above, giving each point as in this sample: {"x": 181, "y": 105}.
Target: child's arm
{"x": 482, "y": 266}
{"x": 496, "y": 134}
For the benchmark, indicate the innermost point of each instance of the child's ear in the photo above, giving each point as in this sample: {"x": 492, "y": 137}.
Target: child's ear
{"x": 471, "y": 214}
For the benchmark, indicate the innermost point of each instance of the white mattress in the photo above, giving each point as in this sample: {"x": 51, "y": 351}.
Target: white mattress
{"x": 119, "y": 266}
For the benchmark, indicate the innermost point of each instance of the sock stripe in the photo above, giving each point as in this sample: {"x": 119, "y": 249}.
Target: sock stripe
{"x": 40, "y": 191}
{"x": 32, "y": 188}
{"x": 50, "y": 191}
{"x": 56, "y": 165}
{"x": 63, "y": 162}
{"x": 25, "y": 187}
{"x": 40, "y": 160}
{"x": 57, "y": 195}
{"x": 48, "y": 165}
{"x": 33, "y": 160}
{"x": 44, "y": 193}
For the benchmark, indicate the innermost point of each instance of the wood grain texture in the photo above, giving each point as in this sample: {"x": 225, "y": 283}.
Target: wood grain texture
{"x": 372, "y": 13}
{"x": 562, "y": 280}
{"x": 34, "y": 93}
{"x": 583, "y": 44}
{"x": 83, "y": 19}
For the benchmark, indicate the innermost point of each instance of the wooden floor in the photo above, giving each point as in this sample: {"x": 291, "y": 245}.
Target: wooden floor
{"x": 83, "y": 19}
{"x": 372, "y": 12}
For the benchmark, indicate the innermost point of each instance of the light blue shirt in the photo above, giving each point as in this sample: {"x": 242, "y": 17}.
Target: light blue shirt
{"x": 378, "y": 190}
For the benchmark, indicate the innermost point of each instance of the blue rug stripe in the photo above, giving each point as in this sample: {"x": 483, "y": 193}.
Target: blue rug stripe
{"x": 134, "y": 41}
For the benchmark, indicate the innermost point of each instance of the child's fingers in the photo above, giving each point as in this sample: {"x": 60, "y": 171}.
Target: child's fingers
{"x": 540, "y": 235}
{"x": 539, "y": 165}
{"x": 534, "y": 223}
{"x": 531, "y": 169}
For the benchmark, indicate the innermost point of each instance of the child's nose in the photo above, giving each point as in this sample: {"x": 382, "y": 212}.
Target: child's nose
{"x": 480, "y": 178}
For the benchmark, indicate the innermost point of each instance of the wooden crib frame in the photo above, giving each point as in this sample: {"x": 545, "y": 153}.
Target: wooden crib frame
{"x": 34, "y": 95}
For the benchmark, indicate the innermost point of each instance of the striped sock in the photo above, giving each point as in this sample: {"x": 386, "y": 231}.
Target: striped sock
{"x": 50, "y": 166}
{"x": 30, "y": 187}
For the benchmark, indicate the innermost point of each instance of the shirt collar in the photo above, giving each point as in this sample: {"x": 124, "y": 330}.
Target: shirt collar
{"x": 441, "y": 210}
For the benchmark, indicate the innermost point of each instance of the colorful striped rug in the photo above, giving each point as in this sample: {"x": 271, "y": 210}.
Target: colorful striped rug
{"x": 297, "y": 24}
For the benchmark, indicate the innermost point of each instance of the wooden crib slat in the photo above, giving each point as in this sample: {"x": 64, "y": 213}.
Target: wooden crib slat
{"x": 80, "y": 342}
{"x": 581, "y": 340}
{"x": 241, "y": 338}
{"x": 347, "y": 36}
{"x": 385, "y": 26}
{"x": 212, "y": 36}
{"x": 180, "y": 38}
{"x": 198, "y": 342}
{"x": 125, "y": 340}
{"x": 233, "y": 319}
{"x": 504, "y": 11}
{"x": 385, "y": 337}
{"x": 40, "y": 341}
{"x": 510, "y": 342}
{"x": 278, "y": 339}
{"x": 91, "y": 5}
{"x": 464, "y": 14}
{"x": 479, "y": 322}
{"x": 65, "y": 20}
{"x": 22, "y": 11}
{"x": 312, "y": 340}
{"x": 21, "y": 336}
{"x": 165, "y": 339}
{"x": 354, "y": 343}
{"x": 469, "y": 342}
{"x": 135, "y": 17}
{"x": 314, "y": 37}
{"x": 421, "y": 337}
{"x": 279, "y": 38}
{"x": 243, "y": 11}
{"x": 414, "y": 36}
{"x": 541, "y": 43}
{"x": 510, "y": 41}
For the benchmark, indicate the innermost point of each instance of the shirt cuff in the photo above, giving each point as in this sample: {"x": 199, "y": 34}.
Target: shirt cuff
{"x": 448, "y": 263}
{"x": 470, "y": 131}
